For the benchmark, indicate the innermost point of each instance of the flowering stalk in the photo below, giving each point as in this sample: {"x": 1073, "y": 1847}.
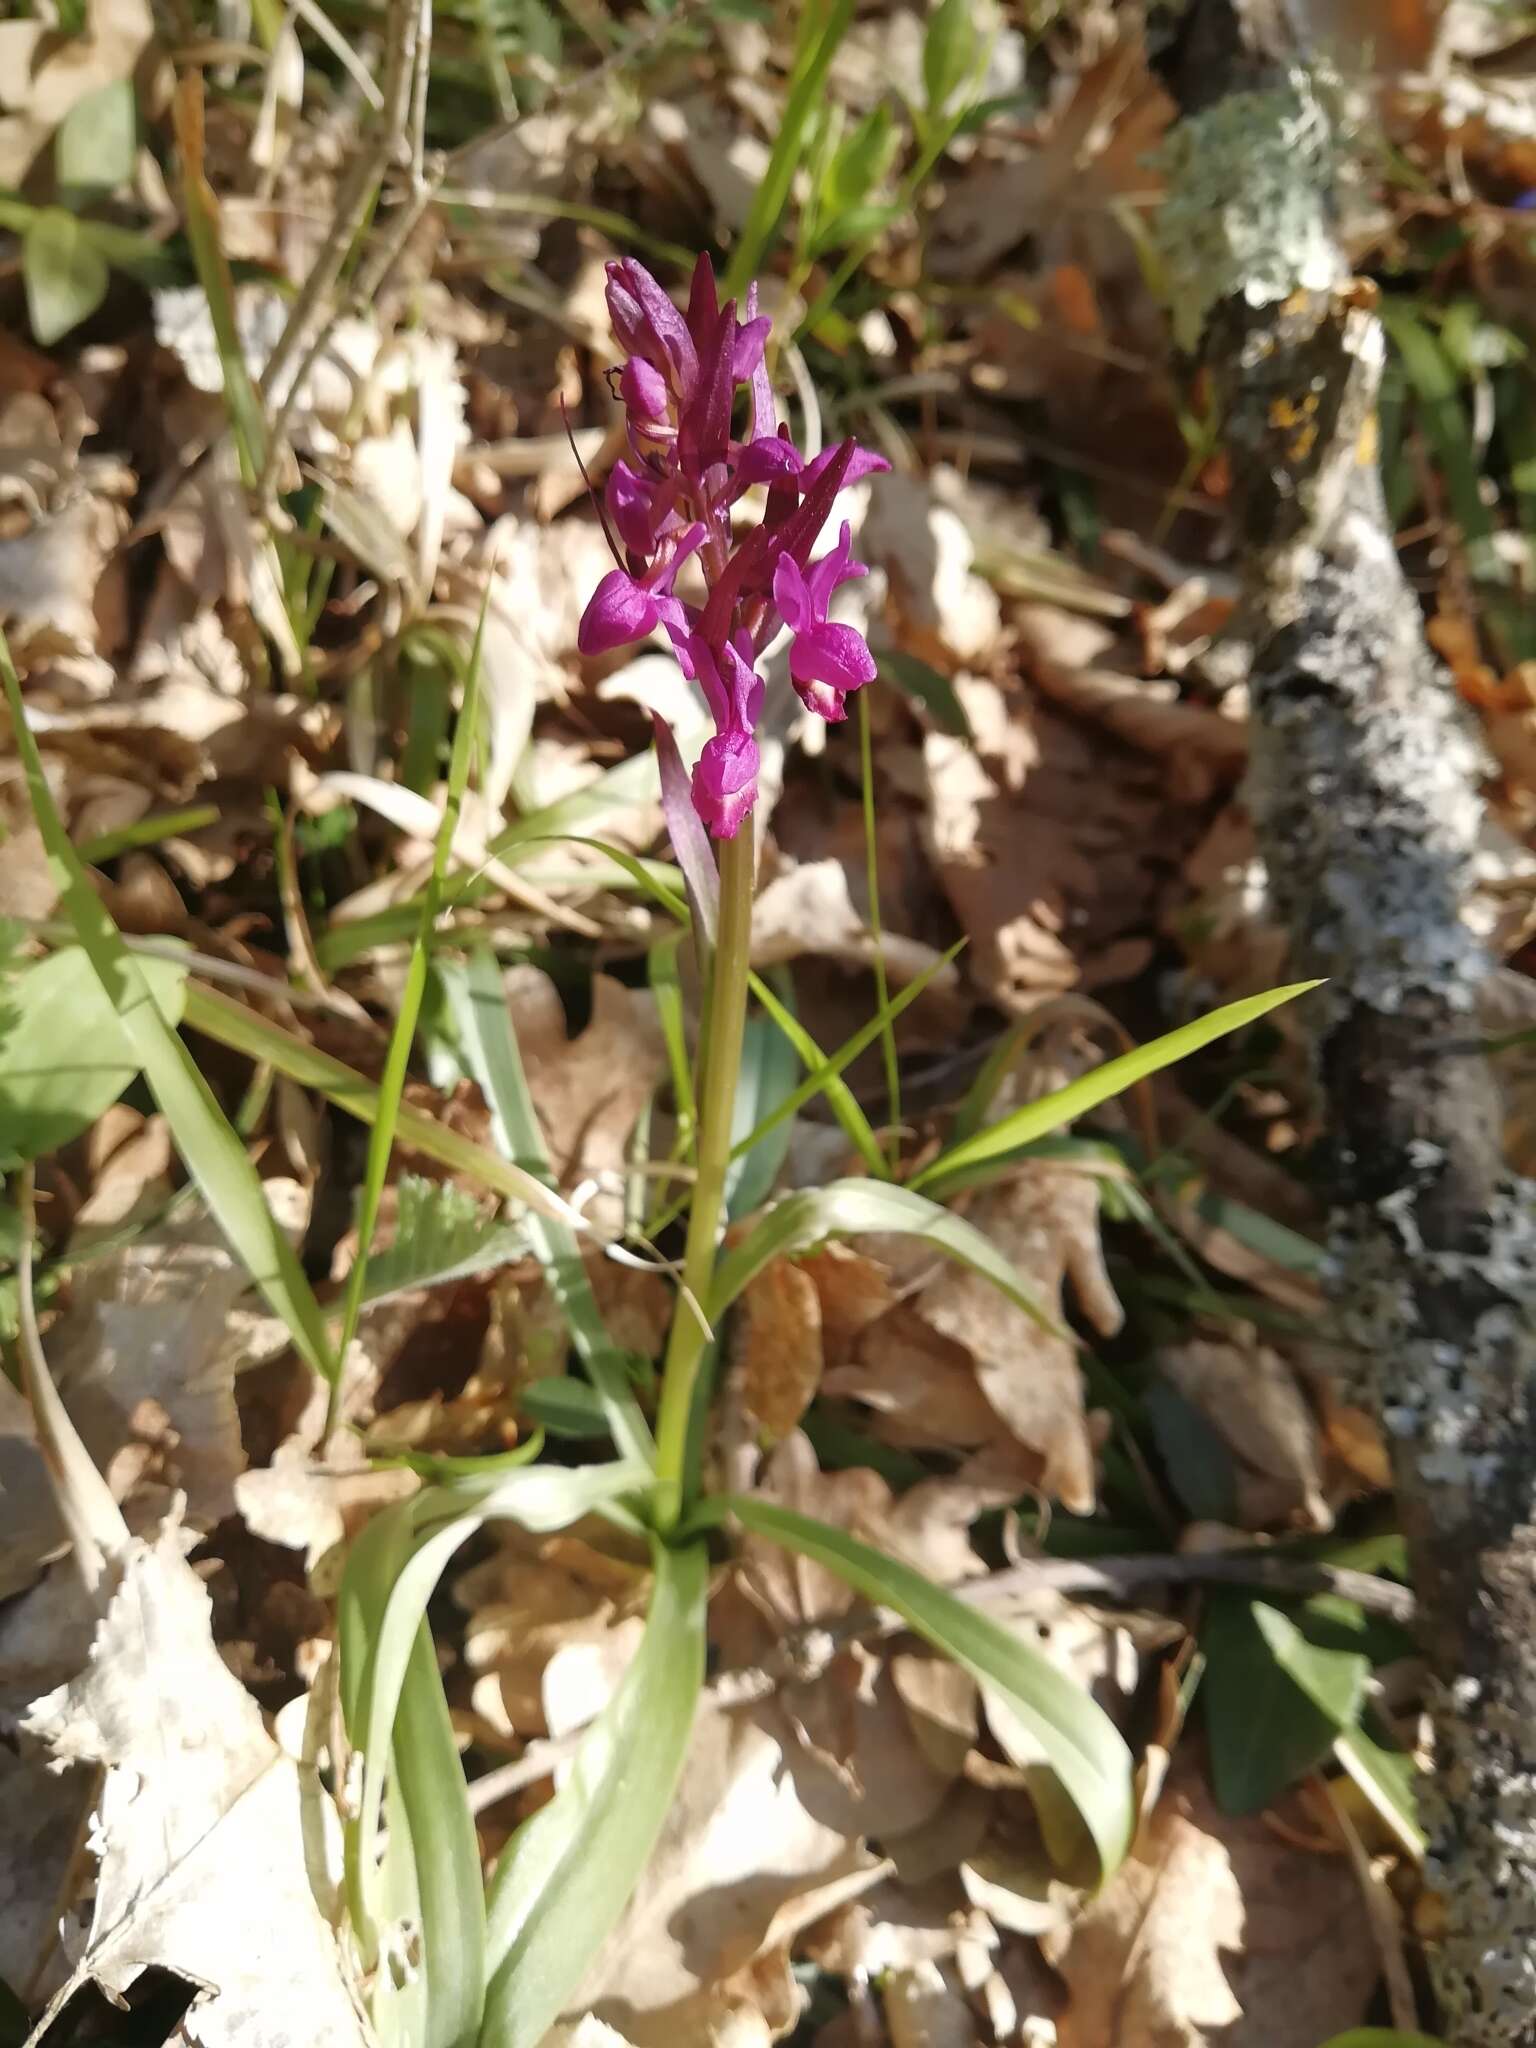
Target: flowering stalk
{"x": 667, "y": 512}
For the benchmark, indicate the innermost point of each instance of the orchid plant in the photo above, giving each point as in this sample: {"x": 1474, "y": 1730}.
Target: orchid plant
{"x": 450, "y": 1963}
{"x": 722, "y": 590}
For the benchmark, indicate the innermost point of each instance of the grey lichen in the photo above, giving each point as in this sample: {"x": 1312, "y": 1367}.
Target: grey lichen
{"x": 1247, "y": 208}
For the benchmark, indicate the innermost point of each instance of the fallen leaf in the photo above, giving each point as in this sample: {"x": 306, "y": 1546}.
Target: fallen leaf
{"x": 777, "y": 1347}
{"x": 1045, "y": 1220}
{"x": 1215, "y": 1930}
{"x": 199, "y": 1812}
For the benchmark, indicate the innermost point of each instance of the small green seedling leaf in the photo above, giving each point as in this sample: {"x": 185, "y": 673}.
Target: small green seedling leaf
{"x": 65, "y": 274}
{"x": 64, "y": 1054}
{"x": 94, "y": 145}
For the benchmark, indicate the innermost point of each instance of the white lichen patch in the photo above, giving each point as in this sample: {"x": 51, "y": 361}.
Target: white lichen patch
{"x": 1246, "y": 213}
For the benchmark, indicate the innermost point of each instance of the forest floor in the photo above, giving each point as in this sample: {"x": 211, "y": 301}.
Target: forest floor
{"x": 242, "y": 628}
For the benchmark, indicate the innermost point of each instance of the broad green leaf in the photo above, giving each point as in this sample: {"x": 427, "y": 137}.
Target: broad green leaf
{"x": 65, "y": 1056}
{"x": 213, "y": 1152}
{"x": 565, "y": 1407}
{"x": 1038, "y": 1119}
{"x": 1278, "y": 1690}
{"x": 1081, "y": 1744}
{"x": 94, "y": 144}
{"x": 859, "y": 163}
{"x": 64, "y": 271}
{"x": 479, "y": 1003}
{"x": 845, "y": 1208}
{"x": 567, "y": 1874}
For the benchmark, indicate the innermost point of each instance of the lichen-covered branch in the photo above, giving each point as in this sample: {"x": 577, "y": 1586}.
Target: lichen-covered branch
{"x": 1363, "y": 790}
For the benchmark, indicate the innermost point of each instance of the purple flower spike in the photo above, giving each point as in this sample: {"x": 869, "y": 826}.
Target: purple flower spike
{"x": 826, "y": 661}
{"x": 673, "y": 499}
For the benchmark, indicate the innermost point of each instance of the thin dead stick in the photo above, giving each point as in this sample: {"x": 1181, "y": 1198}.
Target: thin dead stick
{"x": 804, "y": 1654}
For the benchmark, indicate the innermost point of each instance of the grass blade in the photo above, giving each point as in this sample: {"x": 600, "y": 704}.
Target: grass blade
{"x": 1082, "y": 1746}
{"x": 381, "y": 1139}
{"x": 1038, "y": 1119}
{"x": 214, "y": 1154}
{"x": 243, "y": 1030}
{"x": 840, "y": 1098}
{"x": 844, "y": 1208}
{"x": 568, "y": 1873}
{"x": 822, "y": 28}
{"x": 817, "y": 1081}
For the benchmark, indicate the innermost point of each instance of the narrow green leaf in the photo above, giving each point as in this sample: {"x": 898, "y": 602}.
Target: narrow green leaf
{"x": 243, "y": 1030}
{"x": 214, "y": 1154}
{"x": 817, "y": 1081}
{"x": 65, "y": 274}
{"x": 381, "y": 1138}
{"x": 1037, "y": 1119}
{"x": 567, "y": 1874}
{"x": 822, "y": 28}
{"x": 949, "y": 49}
{"x": 764, "y": 1078}
{"x": 1081, "y": 1744}
{"x": 479, "y": 1005}
{"x": 450, "y": 1895}
{"x": 844, "y": 1208}
{"x": 1387, "y": 1778}
{"x": 391, "y": 1572}
{"x": 928, "y": 689}
{"x": 64, "y": 1053}
{"x": 841, "y": 1101}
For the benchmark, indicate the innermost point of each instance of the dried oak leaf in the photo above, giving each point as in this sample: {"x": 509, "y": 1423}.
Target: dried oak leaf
{"x": 589, "y": 1090}
{"x": 1215, "y": 1930}
{"x": 777, "y": 1347}
{"x": 1045, "y": 1220}
{"x": 199, "y": 1813}
{"x": 1040, "y": 832}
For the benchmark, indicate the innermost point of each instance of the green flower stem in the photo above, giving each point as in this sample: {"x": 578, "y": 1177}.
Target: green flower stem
{"x": 720, "y": 1064}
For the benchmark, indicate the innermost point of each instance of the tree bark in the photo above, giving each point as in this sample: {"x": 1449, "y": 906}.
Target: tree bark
{"x": 1363, "y": 791}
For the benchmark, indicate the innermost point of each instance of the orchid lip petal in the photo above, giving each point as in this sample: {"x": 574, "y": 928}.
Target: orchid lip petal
{"x": 619, "y": 610}
{"x": 832, "y": 654}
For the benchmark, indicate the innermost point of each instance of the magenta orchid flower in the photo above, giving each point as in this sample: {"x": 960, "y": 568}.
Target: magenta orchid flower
{"x": 673, "y": 500}
{"x": 625, "y": 607}
{"x": 826, "y": 660}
